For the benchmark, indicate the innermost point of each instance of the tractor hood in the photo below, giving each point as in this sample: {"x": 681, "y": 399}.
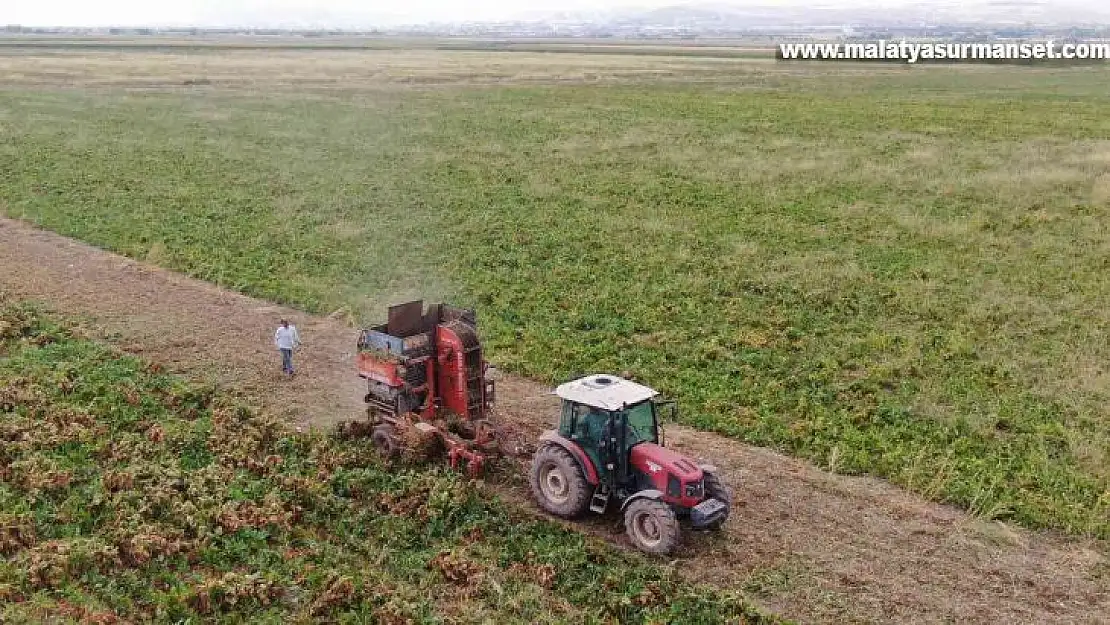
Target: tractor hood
{"x": 654, "y": 460}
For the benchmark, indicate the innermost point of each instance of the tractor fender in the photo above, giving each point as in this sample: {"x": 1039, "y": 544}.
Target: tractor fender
{"x": 588, "y": 469}
{"x": 644, "y": 494}
{"x": 708, "y": 468}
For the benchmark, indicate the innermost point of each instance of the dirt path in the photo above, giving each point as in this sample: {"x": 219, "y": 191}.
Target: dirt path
{"x": 809, "y": 545}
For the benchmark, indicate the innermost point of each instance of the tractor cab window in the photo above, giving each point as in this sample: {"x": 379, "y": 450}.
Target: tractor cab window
{"x": 567, "y": 423}
{"x": 585, "y": 424}
{"x": 641, "y": 423}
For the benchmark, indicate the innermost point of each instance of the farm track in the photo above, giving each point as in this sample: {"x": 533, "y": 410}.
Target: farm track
{"x": 806, "y": 544}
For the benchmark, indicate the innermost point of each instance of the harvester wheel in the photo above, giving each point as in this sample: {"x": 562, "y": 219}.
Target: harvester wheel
{"x": 652, "y": 526}
{"x": 558, "y": 483}
{"x": 386, "y": 440}
{"x": 716, "y": 489}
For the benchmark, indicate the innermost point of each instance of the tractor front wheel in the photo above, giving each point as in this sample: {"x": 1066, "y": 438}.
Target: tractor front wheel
{"x": 716, "y": 489}
{"x": 652, "y": 526}
{"x": 558, "y": 484}
{"x": 386, "y": 441}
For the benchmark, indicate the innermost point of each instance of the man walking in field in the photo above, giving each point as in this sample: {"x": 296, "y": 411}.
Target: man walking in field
{"x": 287, "y": 340}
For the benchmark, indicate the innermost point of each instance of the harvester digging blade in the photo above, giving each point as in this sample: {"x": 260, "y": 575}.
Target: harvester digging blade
{"x": 508, "y": 442}
{"x": 487, "y": 436}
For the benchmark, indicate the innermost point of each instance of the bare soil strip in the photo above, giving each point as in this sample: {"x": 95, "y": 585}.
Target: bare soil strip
{"x": 807, "y": 544}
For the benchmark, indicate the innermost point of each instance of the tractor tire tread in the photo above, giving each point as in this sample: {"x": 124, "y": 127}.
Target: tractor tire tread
{"x": 670, "y": 532}
{"x": 715, "y": 489}
{"x": 579, "y": 500}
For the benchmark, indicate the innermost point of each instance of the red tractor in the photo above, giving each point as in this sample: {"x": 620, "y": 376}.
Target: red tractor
{"x": 608, "y": 449}
{"x": 427, "y": 382}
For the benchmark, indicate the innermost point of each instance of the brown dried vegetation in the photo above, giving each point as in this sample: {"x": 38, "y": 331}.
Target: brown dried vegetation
{"x": 234, "y": 590}
{"x": 16, "y": 532}
{"x": 457, "y": 568}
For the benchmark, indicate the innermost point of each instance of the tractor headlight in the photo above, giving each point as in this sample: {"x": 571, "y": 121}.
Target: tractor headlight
{"x": 694, "y": 489}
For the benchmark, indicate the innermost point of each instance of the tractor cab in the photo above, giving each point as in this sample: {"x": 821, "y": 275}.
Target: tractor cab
{"x": 607, "y": 417}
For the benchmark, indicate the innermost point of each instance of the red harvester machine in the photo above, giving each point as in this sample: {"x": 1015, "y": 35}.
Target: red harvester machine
{"x": 427, "y": 384}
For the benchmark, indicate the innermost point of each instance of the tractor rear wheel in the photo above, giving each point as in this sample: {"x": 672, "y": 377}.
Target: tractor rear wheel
{"x": 652, "y": 526}
{"x": 386, "y": 441}
{"x": 558, "y": 484}
{"x": 716, "y": 489}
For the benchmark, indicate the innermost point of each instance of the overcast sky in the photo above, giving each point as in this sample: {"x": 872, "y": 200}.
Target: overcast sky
{"x": 203, "y": 11}
{"x": 360, "y": 13}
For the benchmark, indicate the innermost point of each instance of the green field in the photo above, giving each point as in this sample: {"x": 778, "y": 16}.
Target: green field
{"x": 896, "y": 271}
{"x": 128, "y": 493}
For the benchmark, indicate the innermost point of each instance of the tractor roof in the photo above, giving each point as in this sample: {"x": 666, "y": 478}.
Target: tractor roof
{"x": 607, "y": 392}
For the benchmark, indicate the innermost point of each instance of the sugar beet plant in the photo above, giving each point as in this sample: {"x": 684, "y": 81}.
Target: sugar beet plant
{"x": 127, "y": 495}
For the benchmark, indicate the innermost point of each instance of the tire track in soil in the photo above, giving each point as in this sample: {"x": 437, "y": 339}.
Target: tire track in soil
{"x": 804, "y": 543}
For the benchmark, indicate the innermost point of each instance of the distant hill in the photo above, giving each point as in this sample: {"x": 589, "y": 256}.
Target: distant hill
{"x": 754, "y": 15}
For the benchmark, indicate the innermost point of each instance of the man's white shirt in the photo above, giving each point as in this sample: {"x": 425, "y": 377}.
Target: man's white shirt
{"x": 286, "y": 338}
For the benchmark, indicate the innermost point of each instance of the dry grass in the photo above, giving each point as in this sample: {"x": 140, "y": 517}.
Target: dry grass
{"x": 346, "y": 69}
{"x": 356, "y": 68}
